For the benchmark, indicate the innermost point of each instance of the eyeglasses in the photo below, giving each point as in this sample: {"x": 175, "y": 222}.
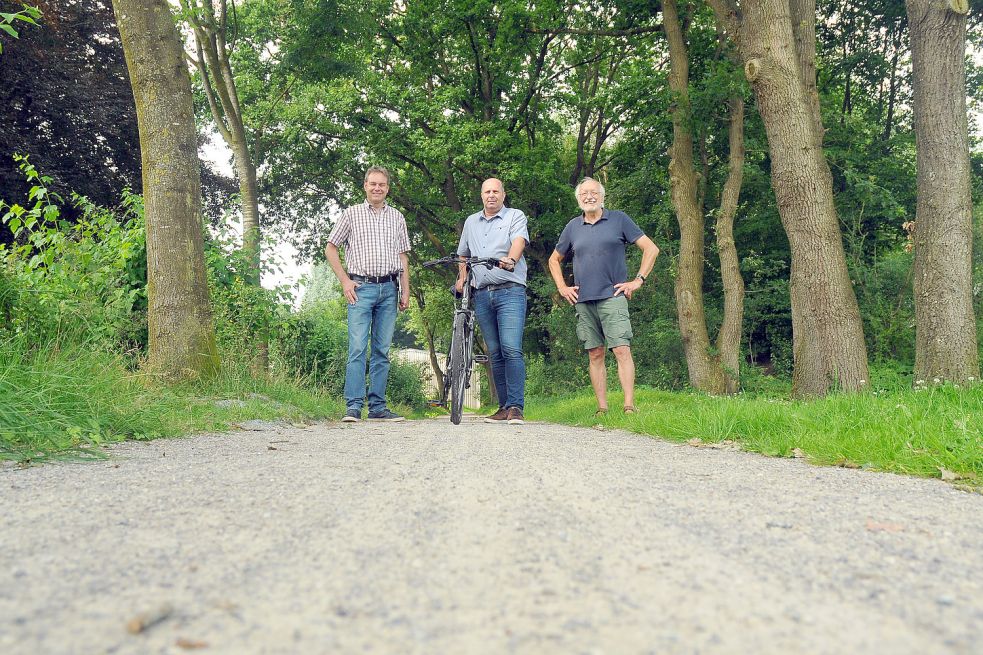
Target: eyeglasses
{"x": 585, "y": 194}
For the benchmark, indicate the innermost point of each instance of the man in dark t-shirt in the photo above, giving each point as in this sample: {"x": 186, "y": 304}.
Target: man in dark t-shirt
{"x": 596, "y": 241}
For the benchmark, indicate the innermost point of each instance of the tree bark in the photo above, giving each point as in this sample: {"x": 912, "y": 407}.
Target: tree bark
{"x": 684, "y": 189}
{"x": 181, "y": 332}
{"x": 828, "y": 342}
{"x": 729, "y": 337}
{"x": 945, "y": 327}
{"x": 712, "y": 372}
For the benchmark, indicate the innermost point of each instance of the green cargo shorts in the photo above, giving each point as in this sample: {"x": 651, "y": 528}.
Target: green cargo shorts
{"x": 604, "y": 323}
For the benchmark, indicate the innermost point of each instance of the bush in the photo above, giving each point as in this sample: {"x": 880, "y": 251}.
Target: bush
{"x": 74, "y": 281}
{"x": 314, "y": 345}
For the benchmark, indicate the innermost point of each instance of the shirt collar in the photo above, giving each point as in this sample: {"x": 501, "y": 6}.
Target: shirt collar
{"x": 368, "y": 205}
{"x": 500, "y": 214}
{"x": 604, "y": 217}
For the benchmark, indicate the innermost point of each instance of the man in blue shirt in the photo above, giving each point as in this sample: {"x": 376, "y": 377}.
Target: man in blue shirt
{"x": 596, "y": 241}
{"x": 500, "y": 297}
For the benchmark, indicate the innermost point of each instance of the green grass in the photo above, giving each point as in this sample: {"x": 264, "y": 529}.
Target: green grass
{"x": 917, "y": 432}
{"x": 68, "y": 403}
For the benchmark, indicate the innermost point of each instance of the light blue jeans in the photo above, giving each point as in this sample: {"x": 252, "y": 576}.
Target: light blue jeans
{"x": 501, "y": 314}
{"x": 376, "y": 309}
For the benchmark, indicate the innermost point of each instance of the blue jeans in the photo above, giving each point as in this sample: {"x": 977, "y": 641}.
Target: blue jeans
{"x": 502, "y": 316}
{"x": 375, "y": 308}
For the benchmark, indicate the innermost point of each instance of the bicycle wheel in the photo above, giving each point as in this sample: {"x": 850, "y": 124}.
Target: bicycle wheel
{"x": 458, "y": 367}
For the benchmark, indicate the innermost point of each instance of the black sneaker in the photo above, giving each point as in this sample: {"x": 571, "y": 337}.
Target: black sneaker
{"x": 385, "y": 415}
{"x": 352, "y": 416}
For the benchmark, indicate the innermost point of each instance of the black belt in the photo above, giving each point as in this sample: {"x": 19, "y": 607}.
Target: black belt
{"x": 374, "y": 279}
{"x": 503, "y": 285}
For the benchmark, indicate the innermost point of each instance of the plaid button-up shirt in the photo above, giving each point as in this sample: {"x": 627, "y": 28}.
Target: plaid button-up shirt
{"x": 373, "y": 240}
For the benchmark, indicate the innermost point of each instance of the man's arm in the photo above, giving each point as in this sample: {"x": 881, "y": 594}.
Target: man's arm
{"x": 348, "y": 285}
{"x": 649, "y": 252}
{"x": 556, "y": 270}
{"x": 515, "y": 252}
{"x": 404, "y": 281}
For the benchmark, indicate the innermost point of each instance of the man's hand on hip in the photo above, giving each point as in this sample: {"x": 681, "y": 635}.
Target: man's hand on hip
{"x": 570, "y": 294}
{"x": 348, "y": 288}
{"x": 628, "y": 288}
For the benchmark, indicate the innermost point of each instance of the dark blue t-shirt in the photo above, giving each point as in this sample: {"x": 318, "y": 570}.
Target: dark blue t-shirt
{"x": 598, "y": 252}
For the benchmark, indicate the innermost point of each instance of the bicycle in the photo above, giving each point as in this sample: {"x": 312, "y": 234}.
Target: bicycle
{"x": 460, "y": 355}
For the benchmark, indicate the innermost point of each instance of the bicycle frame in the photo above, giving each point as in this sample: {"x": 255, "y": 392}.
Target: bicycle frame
{"x": 462, "y": 335}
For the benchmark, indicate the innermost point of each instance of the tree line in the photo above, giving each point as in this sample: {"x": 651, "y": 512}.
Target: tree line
{"x": 774, "y": 121}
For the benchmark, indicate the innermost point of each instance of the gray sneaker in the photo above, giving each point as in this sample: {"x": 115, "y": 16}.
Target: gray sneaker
{"x": 352, "y": 416}
{"x": 385, "y": 415}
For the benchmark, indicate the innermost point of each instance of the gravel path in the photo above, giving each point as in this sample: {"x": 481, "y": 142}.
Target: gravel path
{"x": 425, "y": 537}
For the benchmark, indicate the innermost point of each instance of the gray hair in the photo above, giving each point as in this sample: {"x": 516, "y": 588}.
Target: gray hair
{"x": 377, "y": 169}
{"x": 576, "y": 190}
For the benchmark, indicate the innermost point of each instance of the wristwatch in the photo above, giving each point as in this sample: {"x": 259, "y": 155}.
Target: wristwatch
{"x": 640, "y": 277}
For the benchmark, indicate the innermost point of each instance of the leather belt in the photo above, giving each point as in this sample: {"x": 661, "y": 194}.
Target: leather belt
{"x": 503, "y": 285}
{"x": 374, "y": 279}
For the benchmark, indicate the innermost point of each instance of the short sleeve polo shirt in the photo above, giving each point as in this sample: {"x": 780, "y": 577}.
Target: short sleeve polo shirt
{"x": 485, "y": 236}
{"x": 598, "y": 252}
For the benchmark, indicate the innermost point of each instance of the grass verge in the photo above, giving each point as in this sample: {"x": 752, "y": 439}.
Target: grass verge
{"x": 68, "y": 403}
{"x": 932, "y": 432}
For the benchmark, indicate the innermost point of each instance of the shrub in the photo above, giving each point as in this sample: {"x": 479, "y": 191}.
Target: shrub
{"x": 75, "y": 281}
{"x": 314, "y": 345}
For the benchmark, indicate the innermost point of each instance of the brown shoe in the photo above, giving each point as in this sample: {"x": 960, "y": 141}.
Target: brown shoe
{"x": 515, "y": 416}
{"x": 501, "y": 416}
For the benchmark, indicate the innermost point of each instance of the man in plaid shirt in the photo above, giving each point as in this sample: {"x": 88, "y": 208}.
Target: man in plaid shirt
{"x": 377, "y": 281}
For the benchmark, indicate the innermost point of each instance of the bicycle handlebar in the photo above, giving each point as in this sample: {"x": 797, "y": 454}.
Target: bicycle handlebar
{"x": 489, "y": 262}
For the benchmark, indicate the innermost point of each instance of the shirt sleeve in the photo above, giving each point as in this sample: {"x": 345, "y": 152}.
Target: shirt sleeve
{"x": 403, "y": 238}
{"x": 462, "y": 246}
{"x": 564, "y": 246}
{"x": 342, "y": 230}
{"x": 630, "y": 231}
{"x": 519, "y": 227}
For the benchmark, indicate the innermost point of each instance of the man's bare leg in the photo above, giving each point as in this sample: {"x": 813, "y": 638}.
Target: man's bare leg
{"x": 599, "y": 376}
{"x": 626, "y": 372}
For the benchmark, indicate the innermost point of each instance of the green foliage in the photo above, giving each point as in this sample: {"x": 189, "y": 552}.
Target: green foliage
{"x": 314, "y": 347}
{"x": 241, "y": 309}
{"x": 84, "y": 278}
{"x": 28, "y": 14}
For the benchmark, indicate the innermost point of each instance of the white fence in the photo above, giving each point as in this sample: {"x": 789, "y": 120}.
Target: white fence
{"x": 473, "y": 396}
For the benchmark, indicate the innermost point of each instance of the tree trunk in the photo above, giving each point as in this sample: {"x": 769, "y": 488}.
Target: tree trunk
{"x": 181, "y": 332}
{"x": 945, "y": 328}
{"x": 829, "y": 350}
{"x": 704, "y": 373}
{"x": 729, "y": 337}
{"x": 211, "y": 58}
{"x": 711, "y": 372}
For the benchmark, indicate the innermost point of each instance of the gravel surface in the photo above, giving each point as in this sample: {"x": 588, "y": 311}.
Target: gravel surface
{"x": 424, "y": 537}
